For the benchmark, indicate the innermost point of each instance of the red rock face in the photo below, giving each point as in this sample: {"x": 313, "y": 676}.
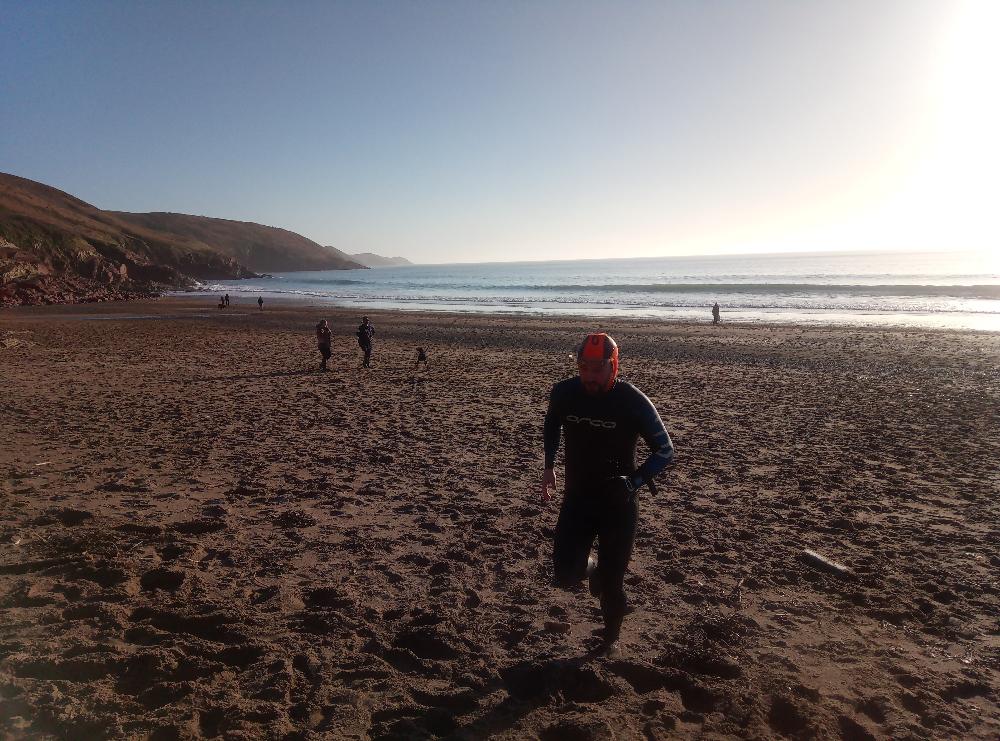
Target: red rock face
{"x": 68, "y": 290}
{"x": 55, "y": 269}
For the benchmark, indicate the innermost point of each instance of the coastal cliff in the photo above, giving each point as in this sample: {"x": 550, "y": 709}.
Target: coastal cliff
{"x": 55, "y": 248}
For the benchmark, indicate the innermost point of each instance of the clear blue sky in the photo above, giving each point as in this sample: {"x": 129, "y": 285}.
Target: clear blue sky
{"x": 519, "y": 130}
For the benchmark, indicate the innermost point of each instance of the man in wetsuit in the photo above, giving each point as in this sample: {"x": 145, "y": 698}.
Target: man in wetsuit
{"x": 366, "y": 331}
{"x": 603, "y": 419}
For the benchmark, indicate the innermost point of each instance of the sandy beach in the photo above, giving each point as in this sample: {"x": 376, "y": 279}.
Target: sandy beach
{"x": 201, "y": 536}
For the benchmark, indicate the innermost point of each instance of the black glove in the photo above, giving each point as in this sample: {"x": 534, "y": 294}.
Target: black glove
{"x": 620, "y": 487}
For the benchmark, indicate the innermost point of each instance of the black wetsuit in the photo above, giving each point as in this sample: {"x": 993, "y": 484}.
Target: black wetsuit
{"x": 365, "y": 334}
{"x": 602, "y": 432}
{"x": 323, "y": 339}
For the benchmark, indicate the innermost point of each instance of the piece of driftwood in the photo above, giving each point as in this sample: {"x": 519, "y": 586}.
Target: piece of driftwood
{"x": 823, "y": 563}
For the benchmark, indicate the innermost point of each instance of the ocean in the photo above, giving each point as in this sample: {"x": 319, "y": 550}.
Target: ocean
{"x": 946, "y": 290}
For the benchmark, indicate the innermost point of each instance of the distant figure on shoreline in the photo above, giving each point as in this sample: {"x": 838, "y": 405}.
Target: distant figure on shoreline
{"x": 366, "y": 331}
{"x": 260, "y": 303}
{"x": 222, "y": 302}
{"x": 421, "y": 358}
{"x": 226, "y": 299}
{"x": 715, "y": 313}
{"x": 323, "y": 339}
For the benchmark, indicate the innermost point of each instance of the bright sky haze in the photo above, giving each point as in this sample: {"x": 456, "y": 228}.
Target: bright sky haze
{"x": 485, "y": 131}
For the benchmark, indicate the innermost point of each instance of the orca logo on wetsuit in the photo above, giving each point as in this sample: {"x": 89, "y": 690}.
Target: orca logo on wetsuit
{"x": 606, "y": 424}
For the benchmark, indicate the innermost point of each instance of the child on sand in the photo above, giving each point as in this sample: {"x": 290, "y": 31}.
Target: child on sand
{"x": 421, "y": 358}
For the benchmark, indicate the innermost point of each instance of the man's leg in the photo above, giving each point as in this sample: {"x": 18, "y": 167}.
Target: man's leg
{"x": 614, "y": 550}
{"x": 575, "y": 533}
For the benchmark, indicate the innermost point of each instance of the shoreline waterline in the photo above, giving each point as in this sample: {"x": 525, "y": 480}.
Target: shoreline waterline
{"x": 950, "y": 320}
{"x": 931, "y": 290}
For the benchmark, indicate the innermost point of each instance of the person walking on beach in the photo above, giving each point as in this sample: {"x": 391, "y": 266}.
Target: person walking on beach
{"x": 421, "y": 358}
{"x": 603, "y": 418}
{"x": 260, "y": 303}
{"x": 366, "y": 331}
{"x": 227, "y": 300}
{"x": 715, "y": 313}
{"x": 323, "y": 339}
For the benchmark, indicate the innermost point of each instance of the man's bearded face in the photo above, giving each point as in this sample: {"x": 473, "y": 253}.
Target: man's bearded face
{"x": 594, "y": 374}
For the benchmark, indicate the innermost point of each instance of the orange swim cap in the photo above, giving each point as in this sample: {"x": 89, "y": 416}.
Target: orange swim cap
{"x": 600, "y": 346}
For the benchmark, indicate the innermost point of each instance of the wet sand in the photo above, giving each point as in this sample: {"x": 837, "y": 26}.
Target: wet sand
{"x": 201, "y": 536}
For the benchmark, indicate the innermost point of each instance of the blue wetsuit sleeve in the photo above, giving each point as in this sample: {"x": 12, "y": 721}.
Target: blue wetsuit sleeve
{"x": 655, "y": 434}
{"x": 553, "y": 428}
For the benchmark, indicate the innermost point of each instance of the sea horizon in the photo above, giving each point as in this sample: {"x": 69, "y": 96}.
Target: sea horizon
{"x": 919, "y": 289}
{"x": 988, "y": 255}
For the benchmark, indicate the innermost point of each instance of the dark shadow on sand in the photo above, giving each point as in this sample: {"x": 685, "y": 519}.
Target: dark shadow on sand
{"x": 529, "y": 684}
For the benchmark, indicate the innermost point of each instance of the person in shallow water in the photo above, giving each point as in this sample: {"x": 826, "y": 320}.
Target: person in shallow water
{"x": 603, "y": 418}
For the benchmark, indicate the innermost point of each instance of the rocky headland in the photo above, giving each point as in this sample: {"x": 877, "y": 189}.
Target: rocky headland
{"x": 58, "y": 249}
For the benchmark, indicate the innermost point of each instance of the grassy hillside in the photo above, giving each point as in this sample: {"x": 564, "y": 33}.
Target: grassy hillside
{"x": 261, "y": 248}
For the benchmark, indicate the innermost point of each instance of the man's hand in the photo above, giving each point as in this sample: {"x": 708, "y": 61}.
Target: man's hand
{"x": 548, "y": 482}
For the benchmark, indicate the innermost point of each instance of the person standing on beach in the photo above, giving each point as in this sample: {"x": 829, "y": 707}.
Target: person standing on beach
{"x": 715, "y": 313}
{"x": 227, "y": 300}
{"x": 260, "y": 303}
{"x": 366, "y": 331}
{"x": 323, "y": 339}
{"x": 603, "y": 418}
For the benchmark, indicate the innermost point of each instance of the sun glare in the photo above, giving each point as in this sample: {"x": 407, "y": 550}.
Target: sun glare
{"x": 955, "y": 191}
